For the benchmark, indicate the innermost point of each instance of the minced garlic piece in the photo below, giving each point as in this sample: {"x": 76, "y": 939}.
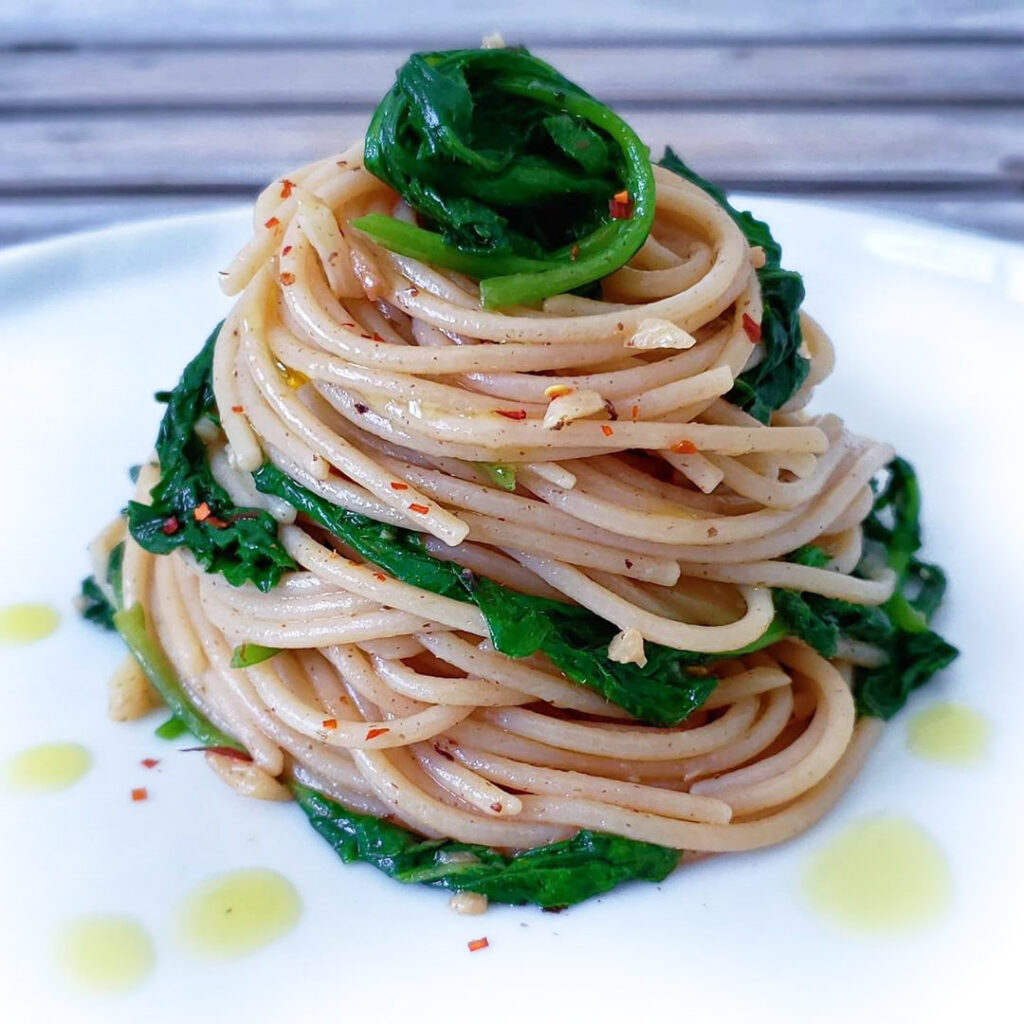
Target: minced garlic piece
{"x": 627, "y": 648}
{"x": 492, "y": 41}
{"x": 655, "y": 333}
{"x": 571, "y": 407}
{"x": 130, "y": 694}
{"x": 246, "y": 777}
{"x": 468, "y": 903}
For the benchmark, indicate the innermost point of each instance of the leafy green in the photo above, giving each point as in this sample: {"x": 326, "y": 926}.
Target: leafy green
{"x": 553, "y": 876}
{"x": 809, "y": 554}
{"x": 915, "y": 652}
{"x": 94, "y": 606}
{"x": 242, "y": 544}
{"x": 131, "y": 624}
{"x": 662, "y": 692}
{"x": 171, "y": 729}
{"x": 248, "y": 654}
{"x": 93, "y": 603}
{"x": 499, "y": 474}
{"x": 899, "y": 627}
{"x": 511, "y": 167}
{"x": 768, "y": 386}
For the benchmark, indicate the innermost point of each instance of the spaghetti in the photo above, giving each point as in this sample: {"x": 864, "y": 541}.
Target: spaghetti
{"x": 590, "y": 451}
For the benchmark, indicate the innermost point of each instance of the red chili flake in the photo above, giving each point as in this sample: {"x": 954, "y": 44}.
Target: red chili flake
{"x": 272, "y": 223}
{"x": 574, "y": 253}
{"x": 150, "y": 762}
{"x": 712, "y": 531}
{"x": 330, "y": 723}
{"x": 397, "y": 485}
{"x": 202, "y": 512}
{"x": 287, "y": 249}
{"x": 140, "y": 794}
{"x": 606, "y": 430}
{"x": 217, "y": 524}
{"x": 496, "y": 807}
{"x": 752, "y": 328}
{"x": 476, "y": 944}
{"x": 238, "y": 408}
{"x": 620, "y": 206}
{"x": 233, "y": 752}
{"x": 287, "y": 278}
{"x": 512, "y": 414}
{"x": 684, "y": 447}
{"x": 421, "y": 509}
{"x": 348, "y": 325}
{"x": 380, "y": 576}
{"x": 170, "y": 526}
{"x": 377, "y": 337}
{"x": 634, "y": 412}
{"x": 286, "y": 188}
{"x": 372, "y": 734}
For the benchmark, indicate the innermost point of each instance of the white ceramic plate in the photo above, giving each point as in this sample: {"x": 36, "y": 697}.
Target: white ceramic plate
{"x": 927, "y": 324}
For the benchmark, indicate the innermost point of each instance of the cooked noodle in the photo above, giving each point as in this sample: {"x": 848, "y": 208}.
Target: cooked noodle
{"x": 379, "y": 383}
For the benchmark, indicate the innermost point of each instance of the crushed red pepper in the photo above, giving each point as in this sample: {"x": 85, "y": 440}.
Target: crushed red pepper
{"x": 149, "y": 762}
{"x": 372, "y": 734}
{"x": 140, "y": 794}
{"x": 330, "y": 723}
{"x": 421, "y": 509}
{"x": 752, "y": 328}
{"x": 512, "y": 414}
{"x": 684, "y": 447}
{"x": 286, "y": 188}
{"x": 620, "y": 206}
{"x": 272, "y": 223}
{"x": 606, "y": 430}
{"x": 477, "y": 944}
{"x": 397, "y": 485}
{"x": 287, "y": 278}
{"x": 171, "y": 526}
{"x": 233, "y": 752}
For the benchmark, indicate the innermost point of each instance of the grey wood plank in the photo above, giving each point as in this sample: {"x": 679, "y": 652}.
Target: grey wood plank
{"x": 984, "y": 148}
{"x": 462, "y": 22}
{"x": 293, "y": 76}
{"x": 32, "y": 220}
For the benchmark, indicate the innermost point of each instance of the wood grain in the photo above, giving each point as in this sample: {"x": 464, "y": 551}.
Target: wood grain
{"x": 934, "y": 147}
{"x": 417, "y": 24}
{"x": 296, "y": 77}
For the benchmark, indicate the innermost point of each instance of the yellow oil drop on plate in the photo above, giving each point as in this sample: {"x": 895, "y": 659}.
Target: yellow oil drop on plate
{"x": 27, "y": 623}
{"x": 880, "y": 874}
{"x": 238, "y": 913}
{"x": 105, "y": 953}
{"x": 950, "y": 733}
{"x": 47, "y": 767}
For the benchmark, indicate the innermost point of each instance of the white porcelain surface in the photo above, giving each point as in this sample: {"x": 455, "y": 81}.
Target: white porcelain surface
{"x": 928, "y": 328}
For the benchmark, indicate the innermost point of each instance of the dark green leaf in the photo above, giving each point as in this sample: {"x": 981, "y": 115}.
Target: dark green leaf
{"x": 511, "y": 168}
{"x": 242, "y": 544}
{"x": 557, "y": 875}
{"x": 94, "y": 606}
{"x": 769, "y": 385}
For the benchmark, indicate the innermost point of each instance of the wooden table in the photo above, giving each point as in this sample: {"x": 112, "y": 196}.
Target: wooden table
{"x": 121, "y": 109}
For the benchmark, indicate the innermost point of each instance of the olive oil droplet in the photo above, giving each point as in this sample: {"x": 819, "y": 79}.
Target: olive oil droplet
{"x": 47, "y": 767}
{"x": 238, "y": 913}
{"x": 951, "y": 733}
{"x": 105, "y": 954}
{"x": 27, "y": 623}
{"x": 880, "y": 874}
